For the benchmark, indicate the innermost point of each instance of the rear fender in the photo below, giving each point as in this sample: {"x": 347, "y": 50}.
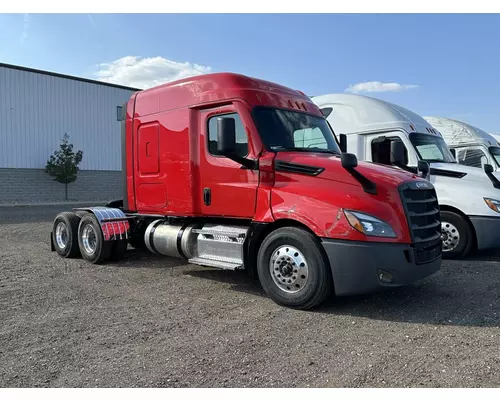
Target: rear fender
{"x": 114, "y": 223}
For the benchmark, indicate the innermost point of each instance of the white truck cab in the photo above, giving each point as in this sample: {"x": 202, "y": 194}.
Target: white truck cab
{"x": 469, "y": 197}
{"x": 496, "y": 136}
{"x": 470, "y": 145}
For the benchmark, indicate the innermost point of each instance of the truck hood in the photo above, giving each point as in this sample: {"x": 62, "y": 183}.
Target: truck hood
{"x": 464, "y": 172}
{"x": 329, "y": 167}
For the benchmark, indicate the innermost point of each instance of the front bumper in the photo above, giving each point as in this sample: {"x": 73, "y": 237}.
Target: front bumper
{"x": 487, "y": 229}
{"x": 357, "y": 266}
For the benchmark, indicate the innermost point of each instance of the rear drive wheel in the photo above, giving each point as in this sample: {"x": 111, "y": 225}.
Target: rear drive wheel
{"x": 456, "y": 235}
{"x": 91, "y": 240}
{"x": 65, "y": 234}
{"x": 293, "y": 270}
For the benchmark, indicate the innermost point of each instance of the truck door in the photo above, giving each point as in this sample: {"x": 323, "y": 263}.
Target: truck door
{"x": 227, "y": 188}
{"x": 150, "y": 188}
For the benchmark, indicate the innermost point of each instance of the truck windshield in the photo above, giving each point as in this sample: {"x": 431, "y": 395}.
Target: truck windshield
{"x": 285, "y": 130}
{"x": 431, "y": 148}
{"x": 495, "y": 152}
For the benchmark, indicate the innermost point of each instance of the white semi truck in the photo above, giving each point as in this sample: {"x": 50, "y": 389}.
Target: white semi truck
{"x": 470, "y": 145}
{"x": 375, "y": 130}
{"x": 497, "y": 137}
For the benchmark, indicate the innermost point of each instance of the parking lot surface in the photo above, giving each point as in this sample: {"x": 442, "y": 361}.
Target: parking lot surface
{"x": 152, "y": 321}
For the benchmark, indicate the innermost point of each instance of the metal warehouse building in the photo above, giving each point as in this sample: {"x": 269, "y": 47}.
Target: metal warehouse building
{"x": 36, "y": 109}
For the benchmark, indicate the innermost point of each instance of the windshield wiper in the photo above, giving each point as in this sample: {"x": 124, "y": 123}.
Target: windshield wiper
{"x": 305, "y": 149}
{"x": 438, "y": 161}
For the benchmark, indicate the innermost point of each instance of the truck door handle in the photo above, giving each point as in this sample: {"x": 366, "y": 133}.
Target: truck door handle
{"x": 207, "y": 197}
{"x": 147, "y": 149}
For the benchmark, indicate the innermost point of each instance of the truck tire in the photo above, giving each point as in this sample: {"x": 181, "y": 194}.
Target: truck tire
{"x": 293, "y": 270}
{"x": 65, "y": 234}
{"x": 91, "y": 240}
{"x": 456, "y": 234}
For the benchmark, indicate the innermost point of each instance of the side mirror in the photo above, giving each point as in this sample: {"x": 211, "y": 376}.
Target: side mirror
{"x": 423, "y": 166}
{"x": 226, "y": 136}
{"x": 453, "y": 151}
{"x": 488, "y": 168}
{"x": 343, "y": 142}
{"x": 397, "y": 153}
{"x": 349, "y": 160}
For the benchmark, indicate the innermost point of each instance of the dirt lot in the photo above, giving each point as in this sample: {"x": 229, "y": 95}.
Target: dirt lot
{"x": 155, "y": 322}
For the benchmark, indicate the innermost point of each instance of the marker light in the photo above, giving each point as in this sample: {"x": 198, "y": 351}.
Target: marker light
{"x": 493, "y": 204}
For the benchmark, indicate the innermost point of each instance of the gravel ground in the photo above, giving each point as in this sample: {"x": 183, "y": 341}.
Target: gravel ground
{"x": 150, "y": 321}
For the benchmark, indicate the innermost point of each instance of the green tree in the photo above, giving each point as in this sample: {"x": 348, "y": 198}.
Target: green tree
{"x": 63, "y": 164}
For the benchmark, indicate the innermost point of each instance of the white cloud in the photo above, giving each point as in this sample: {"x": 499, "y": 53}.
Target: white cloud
{"x": 144, "y": 73}
{"x": 375, "y": 86}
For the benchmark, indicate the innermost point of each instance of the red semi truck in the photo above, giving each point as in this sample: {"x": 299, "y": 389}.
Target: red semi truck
{"x": 232, "y": 172}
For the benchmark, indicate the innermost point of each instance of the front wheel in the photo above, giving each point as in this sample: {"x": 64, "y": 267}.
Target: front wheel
{"x": 456, "y": 234}
{"x": 293, "y": 270}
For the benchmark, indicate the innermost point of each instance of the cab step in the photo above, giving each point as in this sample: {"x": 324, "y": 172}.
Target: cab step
{"x": 219, "y": 246}
{"x": 207, "y": 262}
{"x": 218, "y": 232}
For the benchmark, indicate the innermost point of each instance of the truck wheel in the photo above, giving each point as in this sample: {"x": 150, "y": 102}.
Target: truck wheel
{"x": 65, "y": 234}
{"x": 293, "y": 270}
{"x": 456, "y": 235}
{"x": 91, "y": 240}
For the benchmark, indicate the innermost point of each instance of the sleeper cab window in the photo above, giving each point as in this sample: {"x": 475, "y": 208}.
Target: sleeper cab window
{"x": 475, "y": 158}
{"x": 241, "y": 136}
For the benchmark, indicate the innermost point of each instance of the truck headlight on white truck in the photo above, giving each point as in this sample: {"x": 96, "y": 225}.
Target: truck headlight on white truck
{"x": 369, "y": 225}
{"x": 493, "y": 204}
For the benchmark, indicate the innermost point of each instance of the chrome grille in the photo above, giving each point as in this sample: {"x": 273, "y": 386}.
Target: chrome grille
{"x": 422, "y": 213}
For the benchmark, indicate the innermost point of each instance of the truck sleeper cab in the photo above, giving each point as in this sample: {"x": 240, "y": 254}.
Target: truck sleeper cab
{"x": 469, "y": 198}
{"x": 471, "y": 146}
{"x": 233, "y": 172}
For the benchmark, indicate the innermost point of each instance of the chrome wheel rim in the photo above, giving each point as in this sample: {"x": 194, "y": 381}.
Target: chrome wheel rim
{"x": 289, "y": 269}
{"x": 450, "y": 236}
{"x": 89, "y": 239}
{"x": 61, "y": 235}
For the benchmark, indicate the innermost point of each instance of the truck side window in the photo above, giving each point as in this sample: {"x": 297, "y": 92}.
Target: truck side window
{"x": 472, "y": 157}
{"x": 381, "y": 150}
{"x": 241, "y": 136}
{"x": 326, "y": 111}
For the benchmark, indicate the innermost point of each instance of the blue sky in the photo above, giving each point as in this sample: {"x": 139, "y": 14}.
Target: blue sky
{"x": 453, "y": 60}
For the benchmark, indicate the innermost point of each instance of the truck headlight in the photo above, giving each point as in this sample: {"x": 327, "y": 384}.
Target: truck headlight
{"x": 493, "y": 204}
{"x": 369, "y": 225}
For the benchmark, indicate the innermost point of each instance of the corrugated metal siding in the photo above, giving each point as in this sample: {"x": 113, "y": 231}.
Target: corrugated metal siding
{"x": 36, "y": 110}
